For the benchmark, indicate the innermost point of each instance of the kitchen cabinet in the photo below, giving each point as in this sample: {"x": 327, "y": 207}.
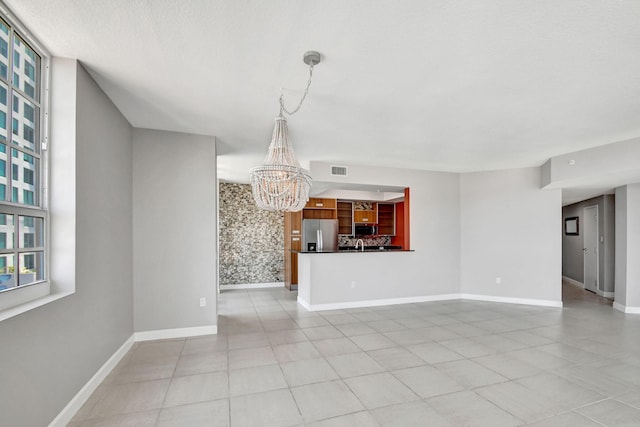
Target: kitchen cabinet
{"x": 345, "y": 218}
{"x": 365, "y": 217}
{"x": 292, "y": 242}
{"x": 318, "y": 208}
{"x": 386, "y": 219}
{"x": 320, "y": 203}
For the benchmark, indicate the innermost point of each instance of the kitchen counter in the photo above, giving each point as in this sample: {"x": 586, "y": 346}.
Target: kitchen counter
{"x": 352, "y": 249}
{"x": 336, "y": 281}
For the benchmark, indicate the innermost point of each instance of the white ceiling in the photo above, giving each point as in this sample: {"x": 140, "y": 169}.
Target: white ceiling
{"x": 456, "y": 86}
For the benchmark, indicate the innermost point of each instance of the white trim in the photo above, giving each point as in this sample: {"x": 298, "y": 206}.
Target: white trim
{"x": 163, "y": 334}
{"x": 428, "y": 298}
{"x": 603, "y": 294}
{"x": 69, "y": 411}
{"x": 626, "y": 309}
{"x": 573, "y": 281}
{"x": 304, "y": 304}
{"x": 510, "y": 300}
{"x": 375, "y": 303}
{"x": 252, "y": 286}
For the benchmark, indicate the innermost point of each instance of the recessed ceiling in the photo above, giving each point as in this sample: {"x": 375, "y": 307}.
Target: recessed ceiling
{"x": 454, "y": 86}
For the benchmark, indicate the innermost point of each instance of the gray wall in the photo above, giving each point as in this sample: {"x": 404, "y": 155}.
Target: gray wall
{"x": 572, "y": 254}
{"x": 510, "y": 230}
{"x": 251, "y": 239}
{"x": 175, "y": 230}
{"x": 628, "y": 246}
{"x": 435, "y": 222}
{"x": 49, "y": 353}
{"x": 621, "y": 245}
{"x": 609, "y": 243}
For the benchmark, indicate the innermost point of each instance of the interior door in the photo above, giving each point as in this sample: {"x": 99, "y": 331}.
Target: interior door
{"x": 590, "y": 248}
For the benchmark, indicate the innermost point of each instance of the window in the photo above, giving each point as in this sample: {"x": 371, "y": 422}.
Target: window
{"x": 29, "y": 113}
{"x": 28, "y": 176}
{"x": 29, "y": 90}
{"x": 23, "y": 215}
{"x": 27, "y": 132}
{"x": 30, "y": 71}
{"x": 27, "y": 197}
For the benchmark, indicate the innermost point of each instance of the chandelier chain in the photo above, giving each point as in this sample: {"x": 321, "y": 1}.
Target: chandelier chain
{"x": 304, "y": 95}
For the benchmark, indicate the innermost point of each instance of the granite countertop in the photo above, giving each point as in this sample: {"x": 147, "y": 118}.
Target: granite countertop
{"x": 352, "y": 249}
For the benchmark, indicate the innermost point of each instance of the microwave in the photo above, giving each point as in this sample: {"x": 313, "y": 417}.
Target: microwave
{"x": 365, "y": 230}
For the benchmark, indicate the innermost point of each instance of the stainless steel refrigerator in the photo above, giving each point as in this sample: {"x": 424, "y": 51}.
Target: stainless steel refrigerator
{"x": 322, "y": 232}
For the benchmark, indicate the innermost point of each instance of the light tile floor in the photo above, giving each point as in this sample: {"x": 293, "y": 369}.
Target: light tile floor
{"x": 450, "y": 363}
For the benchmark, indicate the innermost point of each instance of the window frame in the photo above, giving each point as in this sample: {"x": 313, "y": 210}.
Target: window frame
{"x": 22, "y": 298}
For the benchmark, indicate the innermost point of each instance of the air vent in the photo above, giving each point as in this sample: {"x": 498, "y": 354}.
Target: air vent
{"x": 338, "y": 171}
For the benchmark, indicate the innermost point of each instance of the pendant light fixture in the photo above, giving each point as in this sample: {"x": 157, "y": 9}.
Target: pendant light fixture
{"x": 280, "y": 184}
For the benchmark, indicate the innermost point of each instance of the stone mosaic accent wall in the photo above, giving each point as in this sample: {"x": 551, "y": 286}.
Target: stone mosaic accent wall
{"x": 251, "y": 239}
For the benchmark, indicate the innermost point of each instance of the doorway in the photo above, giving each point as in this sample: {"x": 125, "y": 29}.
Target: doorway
{"x": 590, "y": 248}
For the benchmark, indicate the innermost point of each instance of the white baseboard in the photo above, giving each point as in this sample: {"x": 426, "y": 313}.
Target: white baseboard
{"x": 375, "y": 303}
{"x": 69, "y": 411}
{"x": 573, "y": 282}
{"x": 428, "y": 298}
{"x": 626, "y": 309}
{"x": 252, "y": 286}
{"x": 608, "y": 295}
{"x": 163, "y": 334}
{"x": 509, "y": 300}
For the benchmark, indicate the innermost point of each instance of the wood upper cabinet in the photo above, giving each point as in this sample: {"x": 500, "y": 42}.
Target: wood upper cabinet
{"x": 317, "y": 208}
{"x": 367, "y": 216}
{"x": 364, "y": 217}
{"x": 345, "y": 218}
{"x": 320, "y": 203}
{"x": 387, "y": 219}
{"x": 365, "y": 212}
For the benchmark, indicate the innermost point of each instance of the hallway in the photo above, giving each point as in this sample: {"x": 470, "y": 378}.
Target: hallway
{"x": 575, "y": 296}
{"x": 449, "y": 363}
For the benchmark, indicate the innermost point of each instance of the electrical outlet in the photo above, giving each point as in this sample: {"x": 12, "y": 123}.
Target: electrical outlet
{"x": 203, "y": 302}
{"x": 353, "y": 284}
{"x": 498, "y": 280}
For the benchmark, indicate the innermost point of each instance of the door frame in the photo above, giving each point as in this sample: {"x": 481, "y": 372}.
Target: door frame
{"x": 584, "y": 254}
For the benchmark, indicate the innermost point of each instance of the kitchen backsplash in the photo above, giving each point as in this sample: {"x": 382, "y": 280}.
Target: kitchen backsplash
{"x": 368, "y": 241}
{"x": 251, "y": 239}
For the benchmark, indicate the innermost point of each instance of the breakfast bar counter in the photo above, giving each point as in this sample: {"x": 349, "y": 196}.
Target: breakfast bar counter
{"x": 347, "y": 279}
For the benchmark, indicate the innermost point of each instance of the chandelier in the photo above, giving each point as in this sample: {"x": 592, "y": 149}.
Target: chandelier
{"x": 280, "y": 184}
